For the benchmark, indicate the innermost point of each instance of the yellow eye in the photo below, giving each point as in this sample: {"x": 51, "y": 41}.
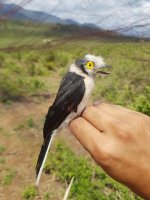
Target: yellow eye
{"x": 90, "y": 65}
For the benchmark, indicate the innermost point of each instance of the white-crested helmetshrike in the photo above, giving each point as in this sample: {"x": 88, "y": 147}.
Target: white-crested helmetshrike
{"x": 71, "y": 99}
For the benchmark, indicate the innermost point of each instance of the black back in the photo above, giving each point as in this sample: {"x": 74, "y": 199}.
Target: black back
{"x": 69, "y": 96}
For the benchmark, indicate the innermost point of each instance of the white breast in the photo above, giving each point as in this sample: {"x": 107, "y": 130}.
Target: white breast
{"x": 89, "y": 85}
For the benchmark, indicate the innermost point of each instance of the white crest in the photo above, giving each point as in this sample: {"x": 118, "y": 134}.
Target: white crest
{"x": 98, "y": 63}
{"x": 98, "y": 60}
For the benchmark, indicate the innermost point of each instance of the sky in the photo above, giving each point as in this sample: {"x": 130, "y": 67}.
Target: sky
{"x": 108, "y": 14}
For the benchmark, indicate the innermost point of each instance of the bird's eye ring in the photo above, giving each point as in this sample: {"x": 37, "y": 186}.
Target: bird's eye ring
{"x": 90, "y": 65}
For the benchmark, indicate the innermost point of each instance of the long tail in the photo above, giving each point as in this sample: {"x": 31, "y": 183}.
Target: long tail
{"x": 42, "y": 156}
{"x": 68, "y": 189}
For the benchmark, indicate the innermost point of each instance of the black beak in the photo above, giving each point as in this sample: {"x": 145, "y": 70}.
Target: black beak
{"x": 102, "y": 72}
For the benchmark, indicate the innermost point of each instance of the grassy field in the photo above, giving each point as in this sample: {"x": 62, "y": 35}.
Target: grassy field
{"x": 29, "y": 79}
{"x": 35, "y": 71}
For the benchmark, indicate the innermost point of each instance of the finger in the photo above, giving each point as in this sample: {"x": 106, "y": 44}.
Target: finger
{"x": 122, "y": 114}
{"x": 99, "y": 118}
{"x": 115, "y": 110}
{"x": 87, "y": 134}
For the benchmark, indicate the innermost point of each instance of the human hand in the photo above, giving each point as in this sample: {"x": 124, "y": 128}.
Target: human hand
{"x": 119, "y": 141}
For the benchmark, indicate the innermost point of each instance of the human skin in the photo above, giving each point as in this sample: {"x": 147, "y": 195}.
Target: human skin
{"x": 119, "y": 141}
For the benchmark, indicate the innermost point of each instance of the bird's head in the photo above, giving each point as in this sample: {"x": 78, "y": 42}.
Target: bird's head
{"x": 91, "y": 64}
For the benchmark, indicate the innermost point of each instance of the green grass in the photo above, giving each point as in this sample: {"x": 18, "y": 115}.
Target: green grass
{"x": 90, "y": 181}
{"x": 9, "y": 176}
{"x": 12, "y": 32}
{"x": 25, "y": 73}
{"x": 47, "y": 196}
{"x": 29, "y": 192}
{"x": 2, "y": 161}
{"x": 2, "y": 149}
{"x": 30, "y": 122}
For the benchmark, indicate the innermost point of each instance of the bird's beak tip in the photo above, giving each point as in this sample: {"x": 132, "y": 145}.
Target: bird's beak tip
{"x": 102, "y": 72}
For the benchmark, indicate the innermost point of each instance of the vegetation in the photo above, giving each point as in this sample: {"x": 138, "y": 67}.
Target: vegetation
{"x": 2, "y": 160}
{"x": 8, "y": 178}
{"x": 47, "y": 196}
{"x": 30, "y": 122}
{"x": 26, "y": 73}
{"x": 2, "y": 149}
{"x": 90, "y": 181}
{"x": 29, "y": 192}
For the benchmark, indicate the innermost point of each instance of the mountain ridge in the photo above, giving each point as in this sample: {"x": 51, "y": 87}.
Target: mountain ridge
{"x": 16, "y": 12}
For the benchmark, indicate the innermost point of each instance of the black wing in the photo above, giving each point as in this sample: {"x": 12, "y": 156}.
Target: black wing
{"x": 68, "y": 98}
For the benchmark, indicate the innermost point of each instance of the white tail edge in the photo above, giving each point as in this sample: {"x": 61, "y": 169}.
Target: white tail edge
{"x": 68, "y": 189}
{"x": 44, "y": 160}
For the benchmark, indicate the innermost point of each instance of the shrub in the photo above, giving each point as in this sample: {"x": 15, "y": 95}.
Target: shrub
{"x": 47, "y": 196}
{"x": 12, "y": 87}
{"x": 30, "y": 122}
{"x": 50, "y": 66}
{"x": 7, "y": 180}
{"x": 2, "y": 160}
{"x": 29, "y": 193}
{"x": 2, "y": 149}
{"x": 2, "y": 60}
{"x": 142, "y": 104}
{"x": 50, "y": 57}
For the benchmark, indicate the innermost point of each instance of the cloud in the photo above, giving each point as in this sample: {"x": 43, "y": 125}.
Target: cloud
{"x": 107, "y": 14}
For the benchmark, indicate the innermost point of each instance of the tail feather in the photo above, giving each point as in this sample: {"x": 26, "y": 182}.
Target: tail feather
{"x": 42, "y": 156}
{"x": 68, "y": 189}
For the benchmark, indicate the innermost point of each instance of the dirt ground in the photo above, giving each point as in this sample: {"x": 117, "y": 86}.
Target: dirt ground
{"x": 21, "y": 136}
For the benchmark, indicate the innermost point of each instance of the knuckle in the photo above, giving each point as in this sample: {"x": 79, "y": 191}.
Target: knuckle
{"x": 103, "y": 105}
{"x": 103, "y": 155}
{"x": 87, "y": 111}
{"x": 73, "y": 124}
{"x": 115, "y": 124}
{"x": 124, "y": 131}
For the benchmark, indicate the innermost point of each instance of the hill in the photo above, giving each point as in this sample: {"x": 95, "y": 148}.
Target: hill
{"x": 64, "y": 26}
{"x": 13, "y": 11}
{"x": 24, "y": 34}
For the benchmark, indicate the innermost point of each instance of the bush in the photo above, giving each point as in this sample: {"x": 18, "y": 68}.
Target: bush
{"x": 29, "y": 193}
{"x": 142, "y": 104}
{"x": 7, "y": 180}
{"x": 51, "y": 57}
{"x": 13, "y": 87}
{"x": 2, "y": 60}
{"x": 32, "y": 58}
{"x": 2, "y": 149}
{"x": 30, "y": 122}
{"x": 51, "y": 66}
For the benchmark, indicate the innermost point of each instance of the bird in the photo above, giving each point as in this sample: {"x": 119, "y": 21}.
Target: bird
{"x": 71, "y": 99}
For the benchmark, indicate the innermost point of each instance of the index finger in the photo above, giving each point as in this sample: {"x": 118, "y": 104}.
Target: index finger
{"x": 99, "y": 118}
{"x": 87, "y": 134}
